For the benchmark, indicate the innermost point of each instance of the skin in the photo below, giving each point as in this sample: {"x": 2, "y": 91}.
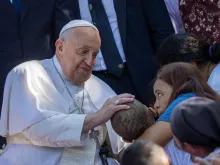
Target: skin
{"x": 193, "y": 150}
{"x": 162, "y": 92}
{"x": 76, "y": 50}
{"x": 160, "y": 132}
{"x": 212, "y": 159}
{"x": 163, "y": 159}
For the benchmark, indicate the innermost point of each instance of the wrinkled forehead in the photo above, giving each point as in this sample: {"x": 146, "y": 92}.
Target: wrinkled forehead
{"x": 85, "y": 32}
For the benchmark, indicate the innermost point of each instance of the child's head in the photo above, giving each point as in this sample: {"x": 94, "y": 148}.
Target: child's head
{"x": 144, "y": 153}
{"x": 131, "y": 123}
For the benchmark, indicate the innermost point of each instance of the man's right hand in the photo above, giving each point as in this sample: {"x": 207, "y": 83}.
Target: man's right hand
{"x": 113, "y": 105}
{"x": 110, "y": 107}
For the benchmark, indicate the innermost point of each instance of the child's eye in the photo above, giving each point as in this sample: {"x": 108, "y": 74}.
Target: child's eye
{"x": 159, "y": 94}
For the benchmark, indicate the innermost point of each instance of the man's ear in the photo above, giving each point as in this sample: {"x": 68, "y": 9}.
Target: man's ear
{"x": 59, "y": 47}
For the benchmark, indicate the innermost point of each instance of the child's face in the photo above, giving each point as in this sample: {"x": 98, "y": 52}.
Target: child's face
{"x": 163, "y": 92}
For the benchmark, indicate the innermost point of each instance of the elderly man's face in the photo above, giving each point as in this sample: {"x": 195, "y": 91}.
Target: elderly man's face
{"x": 77, "y": 53}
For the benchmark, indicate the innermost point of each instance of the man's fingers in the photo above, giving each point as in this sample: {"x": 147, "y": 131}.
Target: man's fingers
{"x": 121, "y": 107}
{"x": 125, "y": 100}
{"x": 126, "y": 95}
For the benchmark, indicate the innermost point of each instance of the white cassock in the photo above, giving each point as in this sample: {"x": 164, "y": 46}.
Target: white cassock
{"x": 41, "y": 123}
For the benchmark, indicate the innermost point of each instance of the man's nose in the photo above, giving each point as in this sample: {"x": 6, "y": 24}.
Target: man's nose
{"x": 90, "y": 61}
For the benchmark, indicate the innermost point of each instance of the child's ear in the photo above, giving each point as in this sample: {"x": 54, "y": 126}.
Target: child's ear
{"x": 127, "y": 141}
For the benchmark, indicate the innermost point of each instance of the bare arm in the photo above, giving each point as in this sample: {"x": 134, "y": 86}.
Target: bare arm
{"x": 159, "y": 133}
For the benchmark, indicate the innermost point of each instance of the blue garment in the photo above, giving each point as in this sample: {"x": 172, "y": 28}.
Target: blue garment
{"x": 166, "y": 115}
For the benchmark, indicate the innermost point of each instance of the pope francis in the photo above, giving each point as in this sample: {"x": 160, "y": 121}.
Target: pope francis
{"x": 55, "y": 112}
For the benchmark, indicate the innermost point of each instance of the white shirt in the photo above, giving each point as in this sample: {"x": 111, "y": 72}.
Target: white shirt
{"x": 177, "y": 156}
{"x": 112, "y": 17}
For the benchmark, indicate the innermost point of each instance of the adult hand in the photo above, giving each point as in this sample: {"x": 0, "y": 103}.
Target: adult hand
{"x": 113, "y": 105}
{"x": 110, "y": 107}
{"x": 210, "y": 160}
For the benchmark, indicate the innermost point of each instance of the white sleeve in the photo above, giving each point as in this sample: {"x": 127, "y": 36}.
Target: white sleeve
{"x": 60, "y": 130}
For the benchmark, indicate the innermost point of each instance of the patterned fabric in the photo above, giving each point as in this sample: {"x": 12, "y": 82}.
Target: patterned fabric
{"x": 202, "y": 18}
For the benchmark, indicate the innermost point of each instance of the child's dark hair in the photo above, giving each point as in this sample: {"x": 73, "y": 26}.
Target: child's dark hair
{"x": 131, "y": 123}
{"x": 187, "y": 48}
{"x": 144, "y": 153}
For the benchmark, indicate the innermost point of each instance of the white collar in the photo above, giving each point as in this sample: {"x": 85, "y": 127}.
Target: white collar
{"x": 59, "y": 69}
{"x": 58, "y": 66}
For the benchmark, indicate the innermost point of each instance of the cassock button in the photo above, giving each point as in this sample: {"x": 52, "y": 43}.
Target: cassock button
{"x": 120, "y": 66}
{"x": 90, "y": 7}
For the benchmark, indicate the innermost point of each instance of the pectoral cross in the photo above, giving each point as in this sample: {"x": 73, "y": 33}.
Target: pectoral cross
{"x": 94, "y": 135}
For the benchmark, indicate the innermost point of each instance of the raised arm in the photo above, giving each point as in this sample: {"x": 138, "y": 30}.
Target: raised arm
{"x": 68, "y": 130}
{"x": 159, "y": 133}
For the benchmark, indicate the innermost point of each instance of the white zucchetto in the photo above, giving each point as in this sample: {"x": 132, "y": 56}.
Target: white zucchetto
{"x": 77, "y": 23}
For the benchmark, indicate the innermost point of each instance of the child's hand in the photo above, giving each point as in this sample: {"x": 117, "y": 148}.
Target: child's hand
{"x": 204, "y": 161}
{"x": 154, "y": 112}
{"x": 212, "y": 159}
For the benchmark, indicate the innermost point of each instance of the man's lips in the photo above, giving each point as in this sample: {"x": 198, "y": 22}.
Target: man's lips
{"x": 86, "y": 68}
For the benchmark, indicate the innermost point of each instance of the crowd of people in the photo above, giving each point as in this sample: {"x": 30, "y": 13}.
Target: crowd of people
{"x": 110, "y": 82}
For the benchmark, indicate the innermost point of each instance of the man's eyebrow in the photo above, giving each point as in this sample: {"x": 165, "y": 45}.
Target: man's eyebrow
{"x": 83, "y": 47}
{"x": 97, "y": 52}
